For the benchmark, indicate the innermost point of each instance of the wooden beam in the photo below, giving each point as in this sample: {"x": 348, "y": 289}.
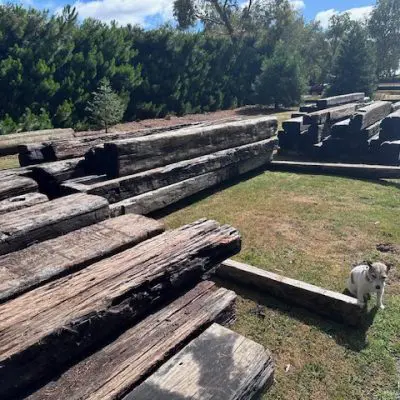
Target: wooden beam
{"x": 353, "y": 170}
{"x": 369, "y": 115}
{"x": 22, "y": 201}
{"x": 219, "y": 364}
{"x": 391, "y": 127}
{"x": 9, "y": 143}
{"x": 126, "y": 157}
{"x": 119, "y": 189}
{"x": 115, "y": 369}
{"x": 54, "y": 324}
{"x": 40, "y": 263}
{"x": 331, "y": 115}
{"x": 324, "y": 302}
{"x": 158, "y": 199}
{"x": 12, "y": 185}
{"x": 338, "y": 100}
{"x": 21, "y": 228}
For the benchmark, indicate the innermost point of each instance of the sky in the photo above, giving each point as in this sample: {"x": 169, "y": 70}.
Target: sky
{"x": 152, "y": 13}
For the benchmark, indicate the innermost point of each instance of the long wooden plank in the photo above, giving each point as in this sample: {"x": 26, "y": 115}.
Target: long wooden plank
{"x": 22, "y": 228}
{"x": 14, "y": 185}
{"x": 369, "y": 115}
{"x": 338, "y": 100}
{"x": 218, "y": 365}
{"x": 9, "y": 143}
{"x": 119, "y": 189}
{"x": 354, "y": 170}
{"x": 126, "y": 157}
{"x": 26, "y": 269}
{"x": 114, "y": 370}
{"x": 22, "y": 201}
{"x": 160, "y": 198}
{"x": 42, "y": 330}
{"x": 331, "y": 115}
{"x": 327, "y": 303}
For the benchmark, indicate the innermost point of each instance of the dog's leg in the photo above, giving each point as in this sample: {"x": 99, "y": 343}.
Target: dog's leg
{"x": 361, "y": 299}
{"x": 380, "y": 298}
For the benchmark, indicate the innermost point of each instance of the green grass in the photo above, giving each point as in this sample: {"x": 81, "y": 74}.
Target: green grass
{"x": 9, "y": 162}
{"x": 314, "y": 228}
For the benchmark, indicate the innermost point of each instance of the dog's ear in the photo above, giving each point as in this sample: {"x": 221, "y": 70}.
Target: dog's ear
{"x": 369, "y": 263}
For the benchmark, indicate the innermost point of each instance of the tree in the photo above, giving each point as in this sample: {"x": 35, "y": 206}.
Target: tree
{"x": 106, "y": 108}
{"x": 354, "y": 64}
{"x": 384, "y": 26}
{"x": 281, "y": 81}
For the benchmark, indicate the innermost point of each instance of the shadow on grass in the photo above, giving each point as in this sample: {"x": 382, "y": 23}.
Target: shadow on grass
{"x": 352, "y": 338}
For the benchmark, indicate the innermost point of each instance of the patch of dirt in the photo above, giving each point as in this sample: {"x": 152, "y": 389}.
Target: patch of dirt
{"x": 388, "y": 248}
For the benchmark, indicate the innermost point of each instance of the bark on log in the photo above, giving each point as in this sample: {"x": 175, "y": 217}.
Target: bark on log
{"x": 22, "y": 201}
{"x": 14, "y": 185}
{"x": 119, "y": 189}
{"x": 331, "y": 115}
{"x": 357, "y": 170}
{"x": 9, "y": 143}
{"x": 114, "y": 370}
{"x": 126, "y": 157}
{"x": 42, "y": 330}
{"x": 219, "y": 364}
{"x": 391, "y": 127}
{"x": 155, "y": 200}
{"x": 26, "y": 269}
{"x": 338, "y": 100}
{"x": 325, "y": 302}
{"x": 50, "y": 176}
{"x": 369, "y": 115}
{"x": 22, "y": 228}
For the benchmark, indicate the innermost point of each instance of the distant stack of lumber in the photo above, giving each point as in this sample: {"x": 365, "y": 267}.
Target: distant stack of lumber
{"x": 304, "y": 130}
{"x": 92, "y": 314}
{"x": 350, "y": 139}
{"x": 148, "y": 173}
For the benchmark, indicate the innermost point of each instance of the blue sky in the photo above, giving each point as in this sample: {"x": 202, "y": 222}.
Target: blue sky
{"x": 149, "y": 13}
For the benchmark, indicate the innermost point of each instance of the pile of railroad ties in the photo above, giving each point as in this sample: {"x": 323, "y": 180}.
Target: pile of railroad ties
{"x": 349, "y": 128}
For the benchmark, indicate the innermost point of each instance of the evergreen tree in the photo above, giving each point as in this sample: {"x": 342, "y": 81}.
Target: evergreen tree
{"x": 354, "y": 65}
{"x": 281, "y": 81}
{"x": 106, "y": 108}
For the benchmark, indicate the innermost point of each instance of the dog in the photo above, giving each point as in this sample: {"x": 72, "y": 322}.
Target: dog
{"x": 366, "y": 279}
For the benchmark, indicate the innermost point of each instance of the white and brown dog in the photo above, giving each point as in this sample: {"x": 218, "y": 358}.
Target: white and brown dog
{"x": 366, "y": 279}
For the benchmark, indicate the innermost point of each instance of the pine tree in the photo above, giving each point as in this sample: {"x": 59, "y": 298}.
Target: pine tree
{"x": 106, "y": 108}
{"x": 354, "y": 65}
{"x": 281, "y": 81}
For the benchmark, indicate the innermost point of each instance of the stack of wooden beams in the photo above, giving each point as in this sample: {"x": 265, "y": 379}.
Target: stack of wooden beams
{"x": 389, "y": 139}
{"x": 94, "y": 313}
{"x": 350, "y": 139}
{"x": 146, "y": 174}
{"x": 302, "y": 132}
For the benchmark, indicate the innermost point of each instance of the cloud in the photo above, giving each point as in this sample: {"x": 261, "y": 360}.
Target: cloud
{"x": 298, "y": 4}
{"x": 357, "y": 14}
{"x": 126, "y": 11}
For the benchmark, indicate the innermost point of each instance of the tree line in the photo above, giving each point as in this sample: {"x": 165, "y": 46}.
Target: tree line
{"x": 51, "y": 66}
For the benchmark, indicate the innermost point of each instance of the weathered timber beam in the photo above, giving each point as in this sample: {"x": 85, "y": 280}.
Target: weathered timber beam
{"x": 338, "y": 100}
{"x": 327, "y": 303}
{"x": 369, "y": 115}
{"x": 115, "y": 369}
{"x": 331, "y": 115}
{"x": 119, "y": 189}
{"x": 126, "y": 157}
{"x": 21, "y": 228}
{"x": 40, "y": 263}
{"x": 54, "y": 324}
{"x": 219, "y": 364}
{"x": 14, "y": 185}
{"x": 160, "y": 198}
{"x": 391, "y": 127}
{"x": 352, "y": 170}
{"x": 22, "y": 201}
